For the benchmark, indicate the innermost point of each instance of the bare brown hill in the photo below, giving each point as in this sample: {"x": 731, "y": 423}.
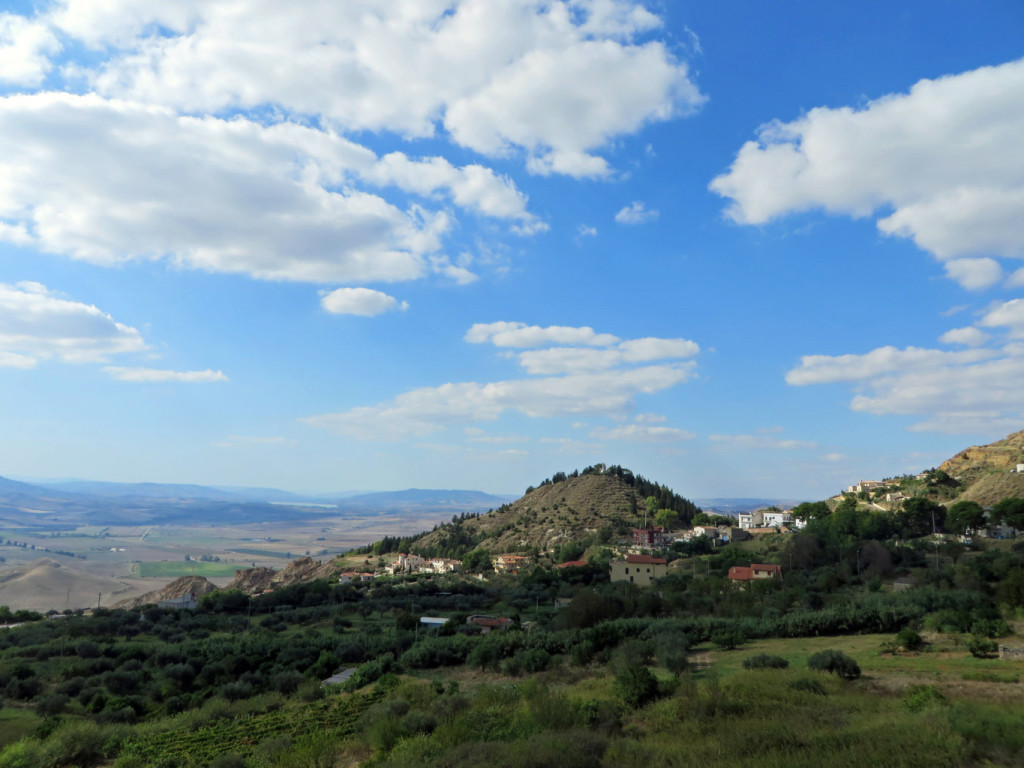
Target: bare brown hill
{"x": 993, "y": 488}
{"x": 547, "y": 517}
{"x": 46, "y": 584}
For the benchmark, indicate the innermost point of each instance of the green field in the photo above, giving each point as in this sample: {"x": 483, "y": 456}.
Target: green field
{"x": 172, "y": 568}
{"x": 263, "y": 553}
{"x": 943, "y": 662}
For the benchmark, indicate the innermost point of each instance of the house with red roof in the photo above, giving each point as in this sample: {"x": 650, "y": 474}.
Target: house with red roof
{"x": 754, "y": 572}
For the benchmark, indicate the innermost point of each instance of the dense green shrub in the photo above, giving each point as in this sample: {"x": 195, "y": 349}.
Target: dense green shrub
{"x": 920, "y": 697}
{"x": 835, "y": 662}
{"x": 808, "y": 685}
{"x": 636, "y": 686}
{"x": 909, "y": 639}
{"x": 728, "y": 639}
{"x": 765, "y": 661}
{"x": 982, "y": 647}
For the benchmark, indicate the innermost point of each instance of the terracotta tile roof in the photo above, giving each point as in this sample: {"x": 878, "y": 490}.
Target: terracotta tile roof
{"x": 645, "y": 560}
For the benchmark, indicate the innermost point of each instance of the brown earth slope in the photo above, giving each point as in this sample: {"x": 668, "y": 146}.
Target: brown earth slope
{"x": 978, "y": 461}
{"x": 986, "y": 472}
{"x": 46, "y": 584}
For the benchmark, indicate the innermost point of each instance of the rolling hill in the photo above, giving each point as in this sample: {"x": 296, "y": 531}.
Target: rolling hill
{"x": 566, "y": 509}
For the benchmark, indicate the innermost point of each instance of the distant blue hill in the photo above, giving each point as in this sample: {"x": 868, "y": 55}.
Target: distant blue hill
{"x": 736, "y": 505}
{"x": 420, "y": 497}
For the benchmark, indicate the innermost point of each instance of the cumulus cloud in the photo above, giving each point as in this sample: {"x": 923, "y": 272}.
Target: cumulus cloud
{"x": 212, "y": 135}
{"x": 1008, "y": 314}
{"x": 556, "y": 81}
{"x": 39, "y": 324}
{"x": 218, "y": 195}
{"x": 151, "y": 375}
{"x": 974, "y": 274}
{"x": 512, "y": 334}
{"x": 642, "y": 433}
{"x": 360, "y": 301}
{"x": 25, "y": 50}
{"x": 821, "y": 369}
{"x": 758, "y": 442}
{"x": 425, "y": 410}
{"x": 943, "y": 160}
{"x": 564, "y": 382}
{"x": 473, "y": 187}
{"x": 969, "y": 391}
{"x": 969, "y": 337}
{"x": 635, "y": 213}
{"x": 557, "y": 360}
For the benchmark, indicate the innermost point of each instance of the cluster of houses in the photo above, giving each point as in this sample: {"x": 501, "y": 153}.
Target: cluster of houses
{"x": 415, "y": 564}
{"x": 405, "y": 564}
{"x": 642, "y": 570}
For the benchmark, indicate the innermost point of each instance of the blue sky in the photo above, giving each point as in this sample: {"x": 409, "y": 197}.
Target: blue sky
{"x": 743, "y": 248}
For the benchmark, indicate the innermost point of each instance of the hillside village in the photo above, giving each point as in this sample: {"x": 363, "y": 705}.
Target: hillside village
{"x": 599, "y": 598}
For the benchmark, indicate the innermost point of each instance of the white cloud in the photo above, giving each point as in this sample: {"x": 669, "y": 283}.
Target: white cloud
{"x": 834, "y": 457}
{"x": 970, "y": 337}
{"x": 642, "y": 433}
{"x": 109, "y": 181}
{"x": 151, "y": 375}
{"x": 360, "y": 301}
{"x": 821, "y": 369}
{"x": 511, "y": 334}
{"x": 1009, "y": 314}
{"x": 425, "y": 410}
{"x": 38, "y": 324}
{"x": 970, "y": 422}
{"x": 567, "y": 381}
{"x": 583, "y": 230}
{"x": 473, "y": 187}
{"x": 457, "y": 273}
{"x": 25, "y": 48}
{"x": 556, "y": 81}
{"x": 971, "y": 391}
{"x": 635, "y": 213}
{"x": 944, "y": 158}
{"x": 974, "y": 274}
{"x": 557, "y": 360}
{"x": 1016, "y": 280}
{"x": 758, "y": 442}
{"x": 643, "y": 350}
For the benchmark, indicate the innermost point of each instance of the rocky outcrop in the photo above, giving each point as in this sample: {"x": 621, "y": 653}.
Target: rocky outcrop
{"x": 255, "y": 580}
{"x": 180, "y": 587}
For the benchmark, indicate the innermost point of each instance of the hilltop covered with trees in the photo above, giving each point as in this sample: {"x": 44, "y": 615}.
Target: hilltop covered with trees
{"x": 586, "y": 506}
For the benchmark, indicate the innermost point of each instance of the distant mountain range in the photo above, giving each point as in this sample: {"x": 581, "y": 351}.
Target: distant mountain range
{"x": 68, "y": 503}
